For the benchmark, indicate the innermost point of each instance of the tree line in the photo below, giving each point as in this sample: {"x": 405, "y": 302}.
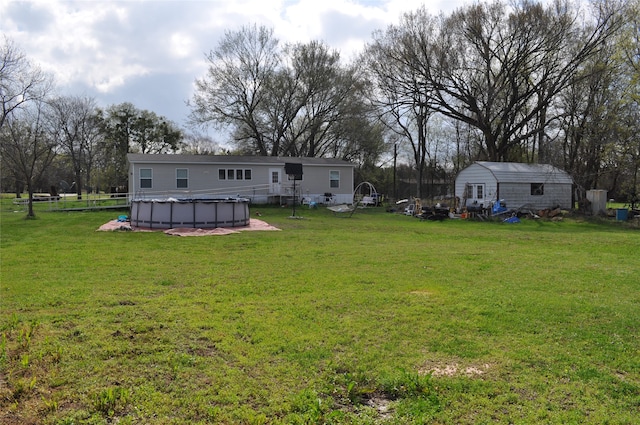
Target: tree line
{"x": 51, "y": 142}
{"x": 521, "y": 81}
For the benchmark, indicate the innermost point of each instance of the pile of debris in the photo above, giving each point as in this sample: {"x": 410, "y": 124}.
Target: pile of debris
{"x": 525, "y": 211}
{"x": 437, "y": 212}
{"x": 553, "y": 214}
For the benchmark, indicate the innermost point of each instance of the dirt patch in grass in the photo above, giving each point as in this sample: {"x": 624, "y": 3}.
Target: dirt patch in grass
{"x": 381, "y": 404}
{"x": 421, "y": 293}
{"x": 455, "y": 369}
{"x": 254, "y": 224}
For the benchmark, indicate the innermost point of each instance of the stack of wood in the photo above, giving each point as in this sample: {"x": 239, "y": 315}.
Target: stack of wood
{"x": 555, "y": 213}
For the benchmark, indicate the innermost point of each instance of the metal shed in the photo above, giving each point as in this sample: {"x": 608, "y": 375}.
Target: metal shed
{"x": 537, "y": 186}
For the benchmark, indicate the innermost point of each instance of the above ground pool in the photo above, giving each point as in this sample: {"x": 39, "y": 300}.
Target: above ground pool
{"x": 192, "y": 213}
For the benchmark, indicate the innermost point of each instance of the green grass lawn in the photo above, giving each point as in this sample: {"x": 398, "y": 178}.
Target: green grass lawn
{"x": 374, "y": 319}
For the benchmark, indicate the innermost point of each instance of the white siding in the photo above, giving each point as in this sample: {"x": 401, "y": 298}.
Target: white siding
{"x": 518, "y": 195}
{"x": 476, "y": 175}
{"x": 204, "y": 178}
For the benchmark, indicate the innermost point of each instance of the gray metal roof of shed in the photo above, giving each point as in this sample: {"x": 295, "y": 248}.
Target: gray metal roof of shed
{"x": 233, "y": 159}
{"x": 516, "y": 172}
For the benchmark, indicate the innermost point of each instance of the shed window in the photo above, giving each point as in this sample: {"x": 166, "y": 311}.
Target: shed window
{"x": 480, "y": 191}
{"x": 334, "y": 179}
{"x": 468, "y": 191}
{"x": 230, "y": 174}
{"x": 222, "y": 174}
{"x": 247, "y": 174}
{"x": 182, "y": 178}
{"x": 146, "y": 178}
{"x": 537, "y": 189}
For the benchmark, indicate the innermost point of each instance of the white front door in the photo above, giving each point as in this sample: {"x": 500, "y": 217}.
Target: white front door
{"x": 275, "y": 180}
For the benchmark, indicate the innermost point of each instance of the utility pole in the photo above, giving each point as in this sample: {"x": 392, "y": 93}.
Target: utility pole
{"x": 395, "y": 160}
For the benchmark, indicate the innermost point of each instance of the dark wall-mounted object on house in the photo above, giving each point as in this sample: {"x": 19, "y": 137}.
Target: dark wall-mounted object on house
{"x": 294, "y": 170}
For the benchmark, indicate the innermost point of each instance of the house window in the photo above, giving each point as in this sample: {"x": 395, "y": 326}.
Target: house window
{"x": 537, "y": 189}
{"x": 334, "y": 179}
{"x": 182, "y": 178}
{"x": 479, "y": 191}
{"x": 234, "y": 174}
{"x": 146, "y": 178}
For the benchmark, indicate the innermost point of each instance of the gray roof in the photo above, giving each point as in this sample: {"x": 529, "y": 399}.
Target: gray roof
{"x": 231, "y": 159}
{"x": 516, "y": 172}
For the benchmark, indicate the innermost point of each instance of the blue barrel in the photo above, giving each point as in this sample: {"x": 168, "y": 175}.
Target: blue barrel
{"x": 622, "y": 214}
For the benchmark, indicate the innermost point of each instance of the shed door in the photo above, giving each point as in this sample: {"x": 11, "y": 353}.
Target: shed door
{"x": 275, "y": 180}
{"x": 475, "y": 193}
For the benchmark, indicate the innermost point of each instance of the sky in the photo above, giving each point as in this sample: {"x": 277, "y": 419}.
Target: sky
{"x": 150, "y": 52}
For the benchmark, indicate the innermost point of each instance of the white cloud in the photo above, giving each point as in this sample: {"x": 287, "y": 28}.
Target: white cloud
{"x": 182, "y": 45}
{"x": 106, "y": 80}
{"x": 150, "y": 52}
{"x": 73, "y": 47}
{"x": 306, "y": 18}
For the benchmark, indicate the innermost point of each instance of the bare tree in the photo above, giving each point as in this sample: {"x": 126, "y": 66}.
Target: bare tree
{"x": 394, "y": 62}
{"x": 498, "y": 69}
{"x": 326, "y": 91}
{"x": 73, "y": 121}
{"x": 27, "y": 146}
{"x": 629, "y": 48}
{"x": 277, "y": 113}
{"x": 290, "y": 101}
{"x": 20, "y": 82}
{"x": 589, "y": 123}
{"x": 196, "y": 143}
{"x": 235, "y": 87}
